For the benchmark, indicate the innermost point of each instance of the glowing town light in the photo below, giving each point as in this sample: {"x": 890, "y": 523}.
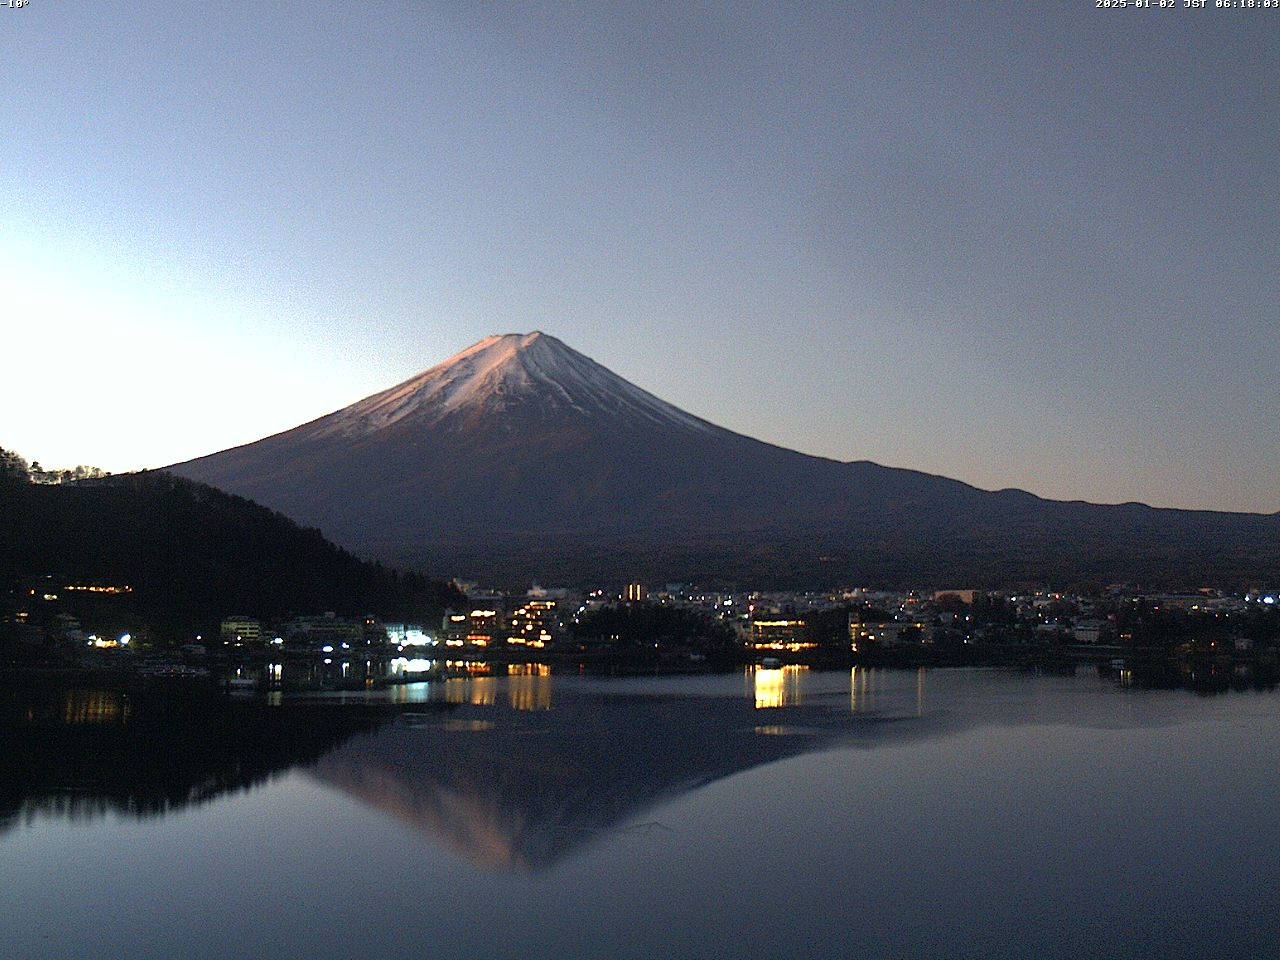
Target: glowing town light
{"x": 125, "y": 638}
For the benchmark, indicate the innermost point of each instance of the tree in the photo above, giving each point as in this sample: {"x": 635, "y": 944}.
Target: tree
{"x": 644, "y": 624}
{"x": 12, "y": 466}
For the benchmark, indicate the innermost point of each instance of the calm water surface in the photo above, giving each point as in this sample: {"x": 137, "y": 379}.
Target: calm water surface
{"x": 771, "y": 814}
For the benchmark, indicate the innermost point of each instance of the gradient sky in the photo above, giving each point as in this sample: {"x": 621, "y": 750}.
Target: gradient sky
{"x": 1020, "y": 244}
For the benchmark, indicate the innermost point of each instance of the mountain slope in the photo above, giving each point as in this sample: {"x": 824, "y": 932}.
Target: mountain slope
{"x": 520, "y": 457}
{"x": 193, "y": 555}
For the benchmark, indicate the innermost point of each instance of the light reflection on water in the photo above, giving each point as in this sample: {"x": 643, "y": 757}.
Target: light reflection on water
{"x": 778, "y": 686}
{"x": 787, "y": 812}
{"x": 529, "y": 686}
{"x": 787, "y": 686}
{"x": 94, "y": 706}
{"x": 522, "y": 687}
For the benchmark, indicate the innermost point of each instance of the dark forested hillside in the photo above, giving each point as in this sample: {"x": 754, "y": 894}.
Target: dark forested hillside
{"x": 192, "y": 553}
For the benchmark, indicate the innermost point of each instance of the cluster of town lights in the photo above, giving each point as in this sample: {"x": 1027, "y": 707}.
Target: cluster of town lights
{"x": 107, "y": 643}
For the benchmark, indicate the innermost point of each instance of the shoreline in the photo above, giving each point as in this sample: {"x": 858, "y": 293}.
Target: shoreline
{"x": 214, "y": 672}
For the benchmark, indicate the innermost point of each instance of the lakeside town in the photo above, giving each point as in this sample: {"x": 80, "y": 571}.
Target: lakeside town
{"x": 70, "y": 626}
{"x": 255, "y": 600}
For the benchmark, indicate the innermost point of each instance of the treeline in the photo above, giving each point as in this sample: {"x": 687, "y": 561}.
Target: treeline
{"x": 193, "y": 554}
{"x": 15, "y": 466}
{"x": 644, "y": 624}
{"x": 1145, "y": 623}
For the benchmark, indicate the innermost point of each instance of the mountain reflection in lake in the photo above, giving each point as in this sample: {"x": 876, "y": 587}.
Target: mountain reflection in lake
{"x": 781, "y": 812}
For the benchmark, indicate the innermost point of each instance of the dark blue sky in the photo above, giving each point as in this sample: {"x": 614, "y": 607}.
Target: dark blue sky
{"x": 1020, "y": 244}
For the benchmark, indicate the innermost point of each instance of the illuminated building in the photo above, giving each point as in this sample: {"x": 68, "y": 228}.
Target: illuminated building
{"x": 864, "y": 636}
{"x": 408, "y": 635}
{"x": 635, "y": 592}
{"x": 237, "y": 629}
{"x": 780, "y": 635}
{"x": 455, "y": 627}
{"x": 479, "y": 626}
{"x": 476, "y": 628}
{"x": 107, "y": 643}
{"x": 533, "y": 625}
{"x": 327, "y": 630}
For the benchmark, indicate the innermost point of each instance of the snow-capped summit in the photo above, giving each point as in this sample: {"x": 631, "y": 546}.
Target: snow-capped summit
{"x": 504, "y": 371}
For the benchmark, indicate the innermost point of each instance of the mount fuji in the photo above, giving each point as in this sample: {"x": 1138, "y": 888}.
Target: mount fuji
{"x": 520, "y": 458}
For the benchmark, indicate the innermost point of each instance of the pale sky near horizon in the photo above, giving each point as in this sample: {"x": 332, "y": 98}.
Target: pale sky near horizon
{"x": 1019, "y": 244}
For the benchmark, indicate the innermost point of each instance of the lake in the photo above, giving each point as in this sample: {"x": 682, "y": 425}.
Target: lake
{"x": 761, "y": 813}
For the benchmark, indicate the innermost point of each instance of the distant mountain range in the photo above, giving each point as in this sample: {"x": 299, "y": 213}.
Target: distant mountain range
{"x": 521, "y": 458}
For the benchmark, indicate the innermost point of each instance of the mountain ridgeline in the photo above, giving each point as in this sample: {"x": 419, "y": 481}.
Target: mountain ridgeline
{"x": 193, "y": 554}
{"x": 521, "y": 458}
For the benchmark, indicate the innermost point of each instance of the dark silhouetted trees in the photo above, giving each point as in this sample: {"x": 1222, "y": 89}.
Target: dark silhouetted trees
{"x": 194, "y": 554}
